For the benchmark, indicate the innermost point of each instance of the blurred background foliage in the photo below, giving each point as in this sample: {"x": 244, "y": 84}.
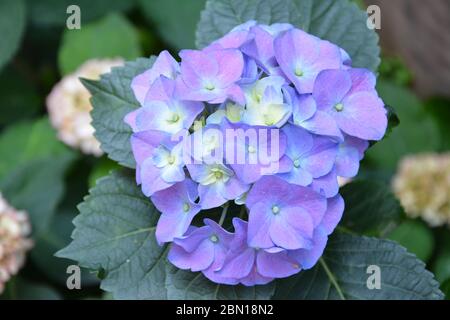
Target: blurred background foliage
{"x": 41, "y": 175}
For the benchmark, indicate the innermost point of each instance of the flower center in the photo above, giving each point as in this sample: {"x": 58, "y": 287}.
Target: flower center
{"x": 297, "y": 163}
{"x": 298, "y": 72}
{"x": 186, "y": 207}
{"x": 210, "y": 86}
{"x": 171, "y": 159}
{"x": 251, "y": 149}
{"x": 174, "y": 118}
{"x": 218, "y": 175}
{"x": 339, "y": 107}
{"x": 214, "y": 238}
{"x": 275, "y": 210}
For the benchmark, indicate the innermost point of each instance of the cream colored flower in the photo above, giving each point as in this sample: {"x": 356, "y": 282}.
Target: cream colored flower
{"x": 14, "y": 242}
{"x": 422, "y": 184}
{"x": 69, "y": 106}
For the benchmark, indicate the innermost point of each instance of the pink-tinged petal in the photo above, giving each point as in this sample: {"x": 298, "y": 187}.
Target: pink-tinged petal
{"x": 330, "y": 88}
{"x": 326, "y": 185}
{"x": 231, "y": 65}
{"x": 162, "y": 89}
{"x": 164, "y": 65}
{"x": 363, "y": 116}
{"x": 333, "y": 214}
{"x": 307, "y": 258}
{"x": 276, "y": 265}
{"x": 130, "y": 119}
{"x": 362, "y": 80}
{"x": 232, "y": 40}
{"x": 259, "y": 224}
{"x": 234, "y": 93}
{"x": 198, "y": 260}
{"x": 197, "y": 65}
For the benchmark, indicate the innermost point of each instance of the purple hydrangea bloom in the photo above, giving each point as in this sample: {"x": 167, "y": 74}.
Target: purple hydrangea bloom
{"x": 349, "y": 96}
{"x": 269, "y": 117}
{"x": 282, "y": 215}
{"x": 178, "y": 208}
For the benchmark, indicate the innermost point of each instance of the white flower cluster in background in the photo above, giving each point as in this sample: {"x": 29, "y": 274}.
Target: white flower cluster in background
{"x": 14, "y": 242}
{"x": 69, "y": 106}
{"x": 422, "y": 184}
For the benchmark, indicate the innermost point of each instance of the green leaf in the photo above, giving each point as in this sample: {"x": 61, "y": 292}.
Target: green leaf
{"x": 27, "y": 141}
{"x": 21, "y": 289}
{"x": 445, "y": 287}
{"x": 53, "y": 12}
{"x": 441, "y": 267}
{"x": 338, "y": 21}
{"x": 342, "y": 273}
{"x": 103, "y": 167}
{"x": 32, "y": 169}
{"x": 12, "y": 26}
{"x": 19, "y": 99}
{"x": 112, "y": 100}
{"x": 174, "y": 20}
{"x": 186, "y": 285}
{"x": 416, "y": 133}
{"x": 115, "y": 234}
{"x": 416, "y": 237}
{"x": 55, "y": 238}
{"x": 370, "y": 207}
{"x": 111, "y": 37}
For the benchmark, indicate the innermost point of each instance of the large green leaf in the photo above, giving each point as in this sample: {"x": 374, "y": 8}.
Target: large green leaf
{"x": 174, "y": 20}
{"x": 338, "y": 21}
{"x": 370, "y": 207}
{"x": 417, "y": 132}
{"x": 112, "y": 100}
{"x": 111, "y": 37}
{"x": 53, "y": 12}
{"x": 186, "y": 285}
{"x": 12, "y": 25}
{"x": 342, "y": 273}
{"x": 115, "y": 234}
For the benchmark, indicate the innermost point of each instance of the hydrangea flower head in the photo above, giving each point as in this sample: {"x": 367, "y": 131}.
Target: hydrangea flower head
{"x": 240, "y": 146}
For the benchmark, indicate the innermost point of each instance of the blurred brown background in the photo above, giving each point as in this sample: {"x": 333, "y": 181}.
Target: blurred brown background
{"x": 419, "y": 32}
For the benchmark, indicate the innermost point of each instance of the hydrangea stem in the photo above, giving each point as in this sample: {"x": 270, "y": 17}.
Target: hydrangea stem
{"x": 224, "y": 213}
